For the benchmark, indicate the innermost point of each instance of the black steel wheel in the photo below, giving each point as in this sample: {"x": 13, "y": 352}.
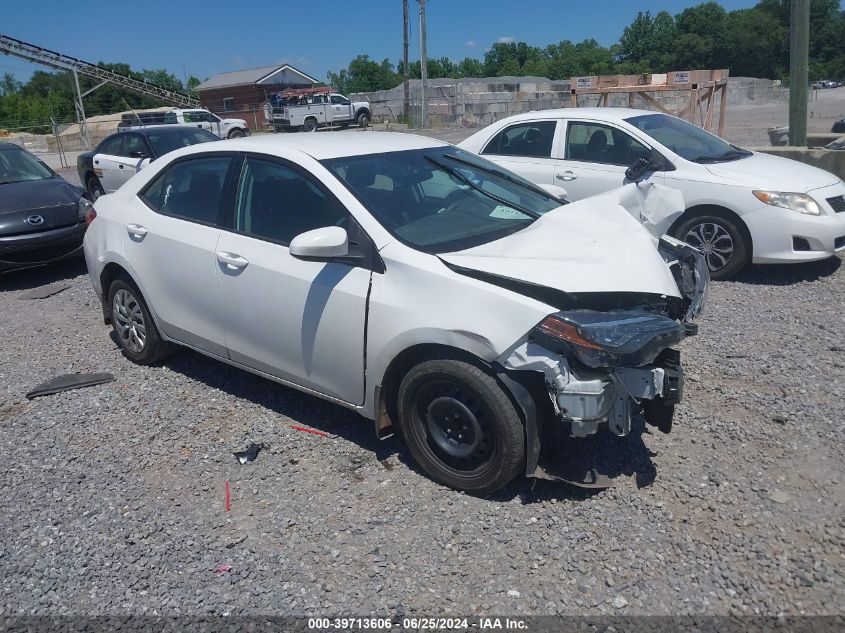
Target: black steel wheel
{"x": 461, "y": 426}
{"x": 94, "y": 188}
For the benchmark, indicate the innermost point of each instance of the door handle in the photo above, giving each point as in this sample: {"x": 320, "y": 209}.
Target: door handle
{"x": 567, "y": 175}
{"x": 231, "y": 260}
{"x": 136, "y": 230}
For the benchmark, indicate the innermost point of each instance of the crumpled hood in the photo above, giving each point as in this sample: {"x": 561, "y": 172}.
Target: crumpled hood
{"x": 773, "y": 172}
{"x": 32, "y": 195}
{"x": 593, "y": 245}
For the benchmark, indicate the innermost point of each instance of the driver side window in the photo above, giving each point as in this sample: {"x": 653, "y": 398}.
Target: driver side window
{"x": 277, "y": 203}
{"x": 598, "y": 143}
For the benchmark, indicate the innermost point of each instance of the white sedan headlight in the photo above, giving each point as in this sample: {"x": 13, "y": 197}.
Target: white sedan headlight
{"x": 800, "y": 202}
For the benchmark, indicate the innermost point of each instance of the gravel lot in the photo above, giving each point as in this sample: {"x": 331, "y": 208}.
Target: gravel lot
{"x": 114, "y": 495}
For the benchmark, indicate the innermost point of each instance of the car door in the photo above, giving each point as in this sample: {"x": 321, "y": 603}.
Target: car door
{"x": 107, "y": 161}
{"x": 595, "y": 158}
{"x": 341, "y": 109}
{"x": 132, "y": 154}
{"x": 197, "y": 118}
{"x": 172, "y": 230}
{"x": 526, "y": 148}
{"x": 301, "y": 321}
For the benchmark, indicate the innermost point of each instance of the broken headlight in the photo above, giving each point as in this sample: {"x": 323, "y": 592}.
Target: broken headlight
{"x": 602, "y": 339}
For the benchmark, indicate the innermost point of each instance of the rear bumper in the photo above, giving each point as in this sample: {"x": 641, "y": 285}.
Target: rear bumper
{"x": 45, "y": 247}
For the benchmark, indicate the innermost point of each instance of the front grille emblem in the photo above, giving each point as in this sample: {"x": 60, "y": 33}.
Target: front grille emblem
{"x": 34, "y": 220}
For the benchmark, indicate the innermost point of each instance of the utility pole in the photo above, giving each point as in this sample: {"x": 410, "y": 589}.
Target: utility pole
{"x": 423, "y": 65}
{"x": 405, "y": 71}
{"x": 799, "y": 45}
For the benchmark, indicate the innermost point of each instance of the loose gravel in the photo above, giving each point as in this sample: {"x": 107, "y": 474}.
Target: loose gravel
{"x": 115, "y": 495}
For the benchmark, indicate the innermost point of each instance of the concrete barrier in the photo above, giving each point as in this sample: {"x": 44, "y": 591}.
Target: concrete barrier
{"x": 827, "y": 159}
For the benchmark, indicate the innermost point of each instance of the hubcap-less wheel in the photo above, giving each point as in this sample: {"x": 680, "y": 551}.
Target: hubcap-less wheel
{"x": 714, "y": 241}
{"x": 129, "y": 321}
{"x": 457, "y": 425}
{"x": 95, "y": 190}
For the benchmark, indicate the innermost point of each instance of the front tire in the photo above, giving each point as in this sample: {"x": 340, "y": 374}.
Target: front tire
{"x": 723, "y": 243}
{"x": 460, "y": 426}
{"x": 133, "y": 326}
{"x": 236, "y": 133}
{"x": 363, "y": 119}
{"x": 94, "y": 188}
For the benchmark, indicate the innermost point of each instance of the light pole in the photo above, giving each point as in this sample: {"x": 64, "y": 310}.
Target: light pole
{"x": 423, "y": 64}
{"x": 799, "y": 44}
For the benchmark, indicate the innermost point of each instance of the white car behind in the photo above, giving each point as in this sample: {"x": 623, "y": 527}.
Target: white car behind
{"x": 411, "y": 281}
{"x": 741, "y": 206}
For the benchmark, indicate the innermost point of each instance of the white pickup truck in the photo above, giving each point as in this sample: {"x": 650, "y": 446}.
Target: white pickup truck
{"x": 222, "y": 128}
{"x": 321, "y": 110}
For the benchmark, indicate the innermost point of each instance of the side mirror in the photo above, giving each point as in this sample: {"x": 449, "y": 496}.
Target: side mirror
{"x": 554, "y": 190}
{"x": 321, "y": 244}
{"x": 640, "y": 168}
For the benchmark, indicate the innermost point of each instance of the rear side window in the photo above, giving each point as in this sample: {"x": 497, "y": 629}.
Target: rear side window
{"x": 533, "y": 139}
{"x": 277, "y": 203}
{"x": 190, "y": 189}
{"x": 597, "y": 143}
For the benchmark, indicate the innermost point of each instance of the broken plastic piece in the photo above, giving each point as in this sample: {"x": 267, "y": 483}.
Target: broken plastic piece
{"x": 306, "y": 430}
{"x": 45, "y": 291}
{"x": 228, "y": 496}
{"x": 588, "y": 478}
{"x": 66, "y": 382}
{"x": 222, "y": 569}
{"x": 249, "y": 453}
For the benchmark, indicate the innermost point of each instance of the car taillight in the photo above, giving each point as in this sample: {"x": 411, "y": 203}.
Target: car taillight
{"x": 90, "y": 215}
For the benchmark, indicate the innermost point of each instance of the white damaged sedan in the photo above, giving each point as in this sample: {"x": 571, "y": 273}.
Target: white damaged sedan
{"x": 428, "y": 289}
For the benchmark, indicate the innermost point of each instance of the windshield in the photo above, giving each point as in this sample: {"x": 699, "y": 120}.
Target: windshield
{"x": 17, "y": 165}
{"x": 687, "y": 140}
{"x": 442, "y": 199}
{"x": 168, "y": 139}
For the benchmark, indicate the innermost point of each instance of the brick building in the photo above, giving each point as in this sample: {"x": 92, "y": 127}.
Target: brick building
{"x": 241, "y": 94}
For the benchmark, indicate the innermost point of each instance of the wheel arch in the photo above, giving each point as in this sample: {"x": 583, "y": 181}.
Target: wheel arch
{"x": 719, "y": 211}
{"x": 523, "y": 389}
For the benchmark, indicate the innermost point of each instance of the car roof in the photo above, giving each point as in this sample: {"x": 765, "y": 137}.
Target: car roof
{"x": 606, "y": 114}
{"x": 5, "y": 145}
{"x": 158, "y": 129}
{"x": 326, "y": 145}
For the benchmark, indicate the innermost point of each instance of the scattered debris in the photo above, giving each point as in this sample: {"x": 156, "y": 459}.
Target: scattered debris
{"x": 388, "y": 465}
{"x": 294, "y": 460}
{"x": 307, "y": 430}
{"x": 222, "y": 569}
{"x": 619, "y": 602}
{"x": 250, "y": 452}
{"x": 185, "y": 451}
{"x": 780, "y": 419}
{"x": 836, "y": 348}
{"x": 228, "y": 497}
{"x": 66, "y": 382}
{"x": 779, "y": 496}
{"x": 513, "y": 593}
{"x": 43, "y": 292}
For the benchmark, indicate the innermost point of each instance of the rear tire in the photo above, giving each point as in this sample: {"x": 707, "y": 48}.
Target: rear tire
{"x": 136, "y": 332}
{"x": 94, "y": 188}
{"x": 460, "y": 426}
{"x": 310, "y": 125}
{"x": 724, "y": 244}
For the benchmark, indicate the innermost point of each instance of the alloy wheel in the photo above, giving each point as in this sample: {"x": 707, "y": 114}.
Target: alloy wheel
{"x": 129, "y": 321}
{"x": 714, "y": 241}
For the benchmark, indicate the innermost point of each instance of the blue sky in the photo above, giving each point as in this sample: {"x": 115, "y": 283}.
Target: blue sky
{"x": 201, "y": 39}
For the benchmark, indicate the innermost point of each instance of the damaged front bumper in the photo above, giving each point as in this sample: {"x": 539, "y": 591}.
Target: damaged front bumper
{"x": 611, "y": 367}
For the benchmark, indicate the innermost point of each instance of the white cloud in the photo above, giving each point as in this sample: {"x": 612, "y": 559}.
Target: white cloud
{"x": 471, "y": 44}
{"x": 506, "y": 39}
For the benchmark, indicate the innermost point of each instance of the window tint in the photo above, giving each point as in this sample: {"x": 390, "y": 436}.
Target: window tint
{"x": 111, "y": 145}
{"x": 597, "y": 143}
{"x": 339, "y": 100}
{"x": 133, "y": 144}
{"x": 190, "y": 189}
{"x": 278, "y": 203}
{"x": 524, "y": 139}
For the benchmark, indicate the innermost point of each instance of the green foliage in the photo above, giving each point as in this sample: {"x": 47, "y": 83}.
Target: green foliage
{"x": 50, "y": 96}
{"x": 749, "y": 42}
